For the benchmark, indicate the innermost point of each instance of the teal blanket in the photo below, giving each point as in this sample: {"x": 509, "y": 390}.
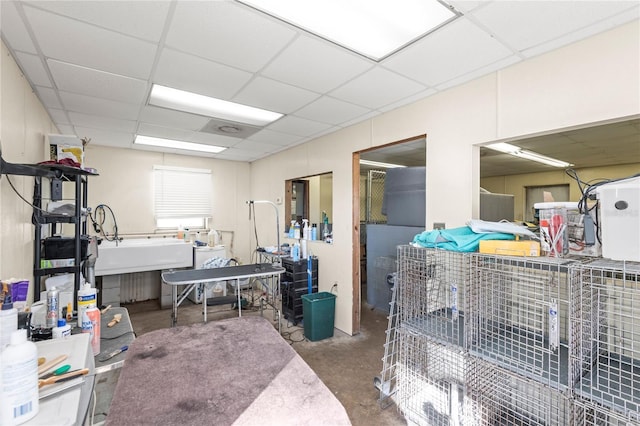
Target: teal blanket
{"x": 457, "y": 239}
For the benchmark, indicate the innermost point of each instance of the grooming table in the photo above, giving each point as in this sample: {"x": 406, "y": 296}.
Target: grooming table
{"x": 194, "y": 277}
{"x": 235, "y": 371}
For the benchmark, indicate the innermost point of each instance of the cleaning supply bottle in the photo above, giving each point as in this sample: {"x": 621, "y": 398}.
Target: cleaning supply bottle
{"x": 63, "y": 329}
{"x": 295, "y": 252}
{"x": 296, "y": 231}
{"x": 291, "y": 229}
{"x": 19, "y": 399}
{"x": 8, "y": 321}
{"x": 314, "y": 232}
{"x": 306, "y": 230}
{"x": 87, "y": 298}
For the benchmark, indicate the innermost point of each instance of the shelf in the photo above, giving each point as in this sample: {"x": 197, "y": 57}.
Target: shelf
{"x": 43, "y": 170}
{"x": 60, "y": 270}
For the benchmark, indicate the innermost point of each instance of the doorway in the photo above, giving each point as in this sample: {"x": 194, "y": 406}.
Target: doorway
{"x": 371, "y": 264}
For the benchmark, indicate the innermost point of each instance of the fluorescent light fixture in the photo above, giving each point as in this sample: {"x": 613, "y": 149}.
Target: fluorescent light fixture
{"x": 194, "y": 103}
{"x": 379, "y": 164}
{"x": 542, "y": 159}
{"x": 529, "y": 155}
{"x": 170, "y": 143}
{"x": 504, "y": 147}
{"x": 374, "y": 29}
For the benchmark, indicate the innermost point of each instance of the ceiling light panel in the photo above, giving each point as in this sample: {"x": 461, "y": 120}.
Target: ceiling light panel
{"x": 374, "y": 29}
{"x": 174, "y": 144}
{"x": 194, "y": 103}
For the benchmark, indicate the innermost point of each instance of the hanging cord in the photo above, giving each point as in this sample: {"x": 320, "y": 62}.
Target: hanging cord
{"x": 99, "y": 220}
{"x": 22, "y": 198}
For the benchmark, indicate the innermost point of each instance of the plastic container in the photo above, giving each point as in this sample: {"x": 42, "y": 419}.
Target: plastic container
{"x": 91, "y": 325}
{"x": 314, "y": 232}
{"x": 87, "y": 298}
{"x": 296, "y": 231}
{"x": 62, "y": 330}
{"x": 8, "y": 321}
{"x": 19, "y": 378}
{"x": 306, "y": 230}
{"x": 318, "y": 311}
{"x": 295, "y": 252}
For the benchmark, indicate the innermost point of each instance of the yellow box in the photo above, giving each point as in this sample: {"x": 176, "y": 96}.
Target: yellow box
{"x": 526, "y": 248}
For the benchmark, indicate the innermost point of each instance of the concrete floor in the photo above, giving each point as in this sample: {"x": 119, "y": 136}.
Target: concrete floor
{"x": 346, "y": 364}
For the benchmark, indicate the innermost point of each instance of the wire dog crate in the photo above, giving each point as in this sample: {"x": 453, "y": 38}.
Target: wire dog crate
{"x": 430, "y": 380}
{"x": 519, "y": 311}
{"x": 431, "y": 292}
{"x": 496, "y": 396}
{"x": 605, "y": 356}
{"x": 591, "y": 414}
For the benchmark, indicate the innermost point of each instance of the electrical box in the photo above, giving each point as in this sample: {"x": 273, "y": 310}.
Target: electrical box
{"x": 620, "y": 219}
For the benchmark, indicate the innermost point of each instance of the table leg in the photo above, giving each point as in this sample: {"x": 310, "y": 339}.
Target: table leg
{"x": 204, "y": 302}
{"x": 174, "y": 298}
{"x": 238, "y": 291}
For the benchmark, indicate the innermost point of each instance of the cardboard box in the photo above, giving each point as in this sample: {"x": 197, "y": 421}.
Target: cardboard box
{"x": 524, "y": 248}
{"x": 66, "y": 146}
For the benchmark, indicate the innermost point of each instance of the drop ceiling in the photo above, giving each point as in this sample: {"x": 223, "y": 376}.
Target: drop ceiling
{"x": 92, "y": 64}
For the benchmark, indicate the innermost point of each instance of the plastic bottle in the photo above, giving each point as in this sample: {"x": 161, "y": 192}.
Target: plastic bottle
{"x": 296, "y": 231}
{"x": 8, "y": 321}
{"x": 63, "y": 329}
{"x": 314, "y": 232}
{"x": 86, "y": 299}
{"x": 180, "y": 234}
{"x": 295, "y": 252}
{"x": 19, "y": 377}
{"x": 306, "y": 229}
{"x": 291, "y": 229}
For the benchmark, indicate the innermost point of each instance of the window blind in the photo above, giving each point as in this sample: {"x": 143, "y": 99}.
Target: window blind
{"x": 181, "y": 192}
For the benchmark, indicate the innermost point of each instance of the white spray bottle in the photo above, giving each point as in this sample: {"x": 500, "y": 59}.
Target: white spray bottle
{"x": 306, "y": 229}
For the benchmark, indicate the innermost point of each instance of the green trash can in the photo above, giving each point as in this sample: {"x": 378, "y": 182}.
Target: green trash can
{"x": 318, "y": 312}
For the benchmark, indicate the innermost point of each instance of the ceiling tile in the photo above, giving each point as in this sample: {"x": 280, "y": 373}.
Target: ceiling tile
{"x": 171, "y": 118}
{"x": 316, "y": 65}
{"x": 498, "y": 65}
{"x": 298, "y": 126}
{"x": 274, "y": 96}
{"x": 532, "y": 23}
{"x": 101, "y": 122}
{"x": 65, "y": 129}
{"x": 234, "y": 154}
{"x": 91, "y": 82}
{"x": 163, "y": 132}
{"x": 408, "y": 100}
{"x": 33, "y": 68}
{"x": 82, "y": 44}
{"x": 14, "y": 33}
{"x": 48, "y": 97}
{"x": 144, "y": 19}
{"x": 451, "y": 51}
{"x": 193, "y": 74}
{"x": 332, "y": 111}
{"x": 275, "y": 138}
{"x": 260, "y": 147}
{"x": 98, "y": 106}
{"x": 58, "y": 116}
{"x": 104, "y": 137}
{"x": 228, "y": 33}
{"x": 365, "y": 90}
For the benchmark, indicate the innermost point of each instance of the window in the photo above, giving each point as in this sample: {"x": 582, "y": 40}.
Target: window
{"x": 182, "y": 196}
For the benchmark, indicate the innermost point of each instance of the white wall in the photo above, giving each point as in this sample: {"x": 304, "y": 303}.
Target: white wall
{"x": 595, "y": 80}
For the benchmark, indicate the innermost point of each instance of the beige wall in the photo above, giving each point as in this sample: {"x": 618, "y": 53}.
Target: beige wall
{"x": 516, "y": 184}
{"x": 591, "y": 81}
{"x": 126, "y": 185}
{"x": 23, "y": 124}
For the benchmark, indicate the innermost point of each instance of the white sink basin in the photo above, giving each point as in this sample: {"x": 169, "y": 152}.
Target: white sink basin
{"x": 142, "y": 254}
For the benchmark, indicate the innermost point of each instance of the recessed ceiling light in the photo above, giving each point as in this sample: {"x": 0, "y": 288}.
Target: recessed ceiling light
{"x": 380, "y": 164}
{"x": 194, "y": 103}
{"x": 374, "y": 29}
{"x": 171, "y": 143}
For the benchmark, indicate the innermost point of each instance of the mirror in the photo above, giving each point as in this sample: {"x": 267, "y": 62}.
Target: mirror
{"x": 310, "y": 197}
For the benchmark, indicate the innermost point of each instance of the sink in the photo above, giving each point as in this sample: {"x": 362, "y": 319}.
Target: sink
{"x": 142, "y": 254}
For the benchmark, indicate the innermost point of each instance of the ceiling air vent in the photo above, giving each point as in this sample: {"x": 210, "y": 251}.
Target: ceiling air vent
{"x": 229, "y": 128}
